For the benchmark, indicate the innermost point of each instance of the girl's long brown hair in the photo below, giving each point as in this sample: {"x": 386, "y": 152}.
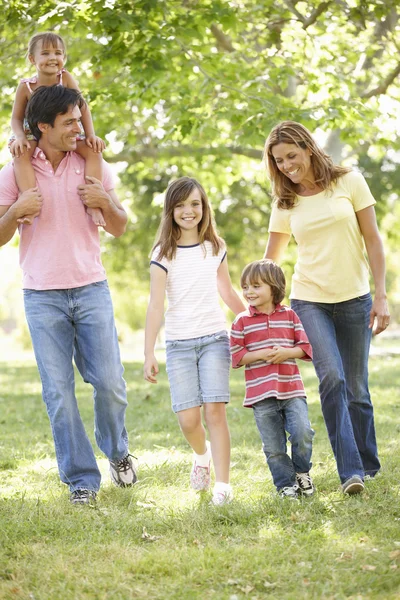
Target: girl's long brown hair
{"x": 169, "y": 232}
{"x": 325, "y": 170}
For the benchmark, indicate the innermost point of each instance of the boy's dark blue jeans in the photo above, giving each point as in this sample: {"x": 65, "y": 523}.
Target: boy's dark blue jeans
{"x": 274, "y": 418}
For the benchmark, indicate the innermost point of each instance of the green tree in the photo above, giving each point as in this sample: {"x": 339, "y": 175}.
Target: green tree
{"x": 194, "y": 86}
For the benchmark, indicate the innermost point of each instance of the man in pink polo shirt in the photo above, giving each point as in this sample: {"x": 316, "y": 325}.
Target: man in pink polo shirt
{"x": 67, "y": 302}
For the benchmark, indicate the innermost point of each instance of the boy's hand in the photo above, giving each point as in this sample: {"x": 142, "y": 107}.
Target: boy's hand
{"x": 18, "y": 147}
{"x": 151, "y": 369}
{"x": 278, "y": 355}
{"x": 95, "y": 143}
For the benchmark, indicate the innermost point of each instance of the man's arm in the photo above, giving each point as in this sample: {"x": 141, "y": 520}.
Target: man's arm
{"x": 93, "y": 195}
{"x": 28, "y": 203}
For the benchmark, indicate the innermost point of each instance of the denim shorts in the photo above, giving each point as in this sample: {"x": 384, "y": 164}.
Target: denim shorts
{"x": 198, "y": 370}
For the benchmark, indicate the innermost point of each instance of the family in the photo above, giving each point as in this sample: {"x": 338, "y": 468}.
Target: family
{"x": 59, "y": 190}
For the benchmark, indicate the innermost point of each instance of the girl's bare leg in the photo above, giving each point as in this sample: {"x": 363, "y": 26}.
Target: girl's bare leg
{"x": 93, "y": 168}
{"x": 192, "y": 428}
{"x": 25, "y": 176}
{"x": 217, "y": 425}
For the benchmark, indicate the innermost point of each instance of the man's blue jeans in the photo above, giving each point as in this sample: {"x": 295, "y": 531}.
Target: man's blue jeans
{"x": 79, "y": 323}
{"x": 340, "y": 339}
{"x": 275, "y": 417}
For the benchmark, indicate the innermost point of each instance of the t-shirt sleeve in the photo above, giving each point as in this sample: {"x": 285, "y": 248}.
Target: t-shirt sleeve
{"x": 360, "y": 194}
{"x": 279, "y": 221}
{"x": 237, "y": 344}
{"x": 108, "y": 179}
{"x": 163, "y": 263}
{"x": 8, "y": 186}
{"x": 300, "y": 338}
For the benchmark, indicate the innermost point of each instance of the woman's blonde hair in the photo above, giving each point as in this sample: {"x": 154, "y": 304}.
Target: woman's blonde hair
{"x": 325, "y": 171}
{"x": 169, "y": 232}
{"x": 48, "y": 38}
{"x": 269, "y": 272}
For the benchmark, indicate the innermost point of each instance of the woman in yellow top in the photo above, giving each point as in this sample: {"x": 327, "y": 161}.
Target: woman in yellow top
{"x": 330, "y": 212}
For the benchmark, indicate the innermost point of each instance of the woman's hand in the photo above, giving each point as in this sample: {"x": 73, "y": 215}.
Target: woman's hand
{"x": 380, "y": 312}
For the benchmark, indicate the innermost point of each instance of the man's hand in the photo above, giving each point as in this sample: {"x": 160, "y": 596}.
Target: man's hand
{"x": 95, "y": 143}
{"x": 92, "y": 194}
{"x": 18, "y": 147}
{"x": 28, "y": 205}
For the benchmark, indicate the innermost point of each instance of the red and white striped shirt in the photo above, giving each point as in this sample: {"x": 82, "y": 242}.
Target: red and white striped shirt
{"x": 253, "y": 330}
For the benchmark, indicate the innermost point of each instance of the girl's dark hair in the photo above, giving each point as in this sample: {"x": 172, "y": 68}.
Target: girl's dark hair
{"x": 325, "y": 171}
{"x": 169, "y": 232}
{"x": 48, "y": 39}
{"x": 47, "y": 102}
{"x": 269, "y": 272}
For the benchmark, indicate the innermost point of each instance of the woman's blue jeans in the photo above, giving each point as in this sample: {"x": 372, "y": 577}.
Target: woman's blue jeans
{"x": 340, "y": 339}
{"x": 79, "y": 323}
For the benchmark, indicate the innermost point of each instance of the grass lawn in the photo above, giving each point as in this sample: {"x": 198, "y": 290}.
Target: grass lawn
{"x": 161, "y": 540}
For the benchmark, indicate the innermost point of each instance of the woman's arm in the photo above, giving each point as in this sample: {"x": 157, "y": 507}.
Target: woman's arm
{"x": 154, "y": 318}
{"x": 376, "y": 256}
{"x": 225, "y": 289}
{"x": 276, "y": 245}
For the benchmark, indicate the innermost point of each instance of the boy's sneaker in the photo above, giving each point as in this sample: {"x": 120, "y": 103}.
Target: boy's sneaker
{"x": 290, "y": 491}
{"x": 220, "y": 498}
{"x": 83, "y": 497}
{"x": 353, "y": 485}
{"x": 305, "y": 483}
{"x": 123, "y": 472}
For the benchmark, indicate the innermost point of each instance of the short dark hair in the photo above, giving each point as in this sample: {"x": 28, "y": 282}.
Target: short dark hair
{"x": 269, "y": 272}
{"x": 47, "y": 102}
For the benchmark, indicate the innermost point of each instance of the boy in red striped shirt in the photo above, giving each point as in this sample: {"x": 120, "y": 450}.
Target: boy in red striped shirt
{"x": 267, "y": 339}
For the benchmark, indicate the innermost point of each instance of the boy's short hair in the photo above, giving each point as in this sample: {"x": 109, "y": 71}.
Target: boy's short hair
{"x": 269, "y": 272}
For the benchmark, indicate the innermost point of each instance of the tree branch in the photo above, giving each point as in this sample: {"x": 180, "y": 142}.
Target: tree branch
{"x": 182, "y": 150}
{"x": 382, "y": 88}
{"x": 223, "y": 40}
{"x": 316, "y": 12}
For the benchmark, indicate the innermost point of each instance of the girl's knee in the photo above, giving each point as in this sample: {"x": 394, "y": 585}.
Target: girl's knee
{"x": 189, "y": 420}
{"x": 215, "y": 414}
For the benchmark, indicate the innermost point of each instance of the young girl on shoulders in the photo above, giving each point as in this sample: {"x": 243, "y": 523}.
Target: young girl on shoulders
{"x": 189, "y": 265}
{"x": 47, "y": 51}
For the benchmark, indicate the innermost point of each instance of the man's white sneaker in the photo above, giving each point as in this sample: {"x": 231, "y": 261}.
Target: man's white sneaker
{"x": 123, "y": 472}
{"x": 305, "y": 483}
{"x": 290, "y": 491}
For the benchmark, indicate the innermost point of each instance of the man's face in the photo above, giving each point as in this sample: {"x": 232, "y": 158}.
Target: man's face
{"x": 62, "y": 136}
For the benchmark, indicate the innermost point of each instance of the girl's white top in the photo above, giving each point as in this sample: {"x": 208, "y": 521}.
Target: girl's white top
{"x": 193, "y": 309}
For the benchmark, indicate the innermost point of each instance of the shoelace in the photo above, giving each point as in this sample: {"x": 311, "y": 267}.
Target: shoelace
{"x": 80, "y": 494}
{"x": 124, "y": 464}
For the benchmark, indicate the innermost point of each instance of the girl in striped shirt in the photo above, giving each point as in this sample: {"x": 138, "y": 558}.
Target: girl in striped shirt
{"x": 189, "y": 266}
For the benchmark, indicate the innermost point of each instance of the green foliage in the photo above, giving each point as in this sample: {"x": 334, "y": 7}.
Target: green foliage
{"x": 161, "y": 540}
{"x": 194, "y": 86}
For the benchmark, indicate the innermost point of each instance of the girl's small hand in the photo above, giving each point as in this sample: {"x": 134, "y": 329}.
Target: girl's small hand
{"x": 95, "y": 143}
{"x": 151, "y": 369}
{"x": 18, "y": 146}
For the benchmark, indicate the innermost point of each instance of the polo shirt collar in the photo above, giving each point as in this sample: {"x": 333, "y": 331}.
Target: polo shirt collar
{"x": 254, "y": 312}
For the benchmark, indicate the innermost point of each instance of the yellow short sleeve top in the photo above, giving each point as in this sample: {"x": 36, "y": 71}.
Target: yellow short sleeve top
{"x": 331, "y": 265}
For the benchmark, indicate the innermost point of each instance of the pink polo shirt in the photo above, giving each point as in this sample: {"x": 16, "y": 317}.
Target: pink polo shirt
{"x": 61, "y": 249}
